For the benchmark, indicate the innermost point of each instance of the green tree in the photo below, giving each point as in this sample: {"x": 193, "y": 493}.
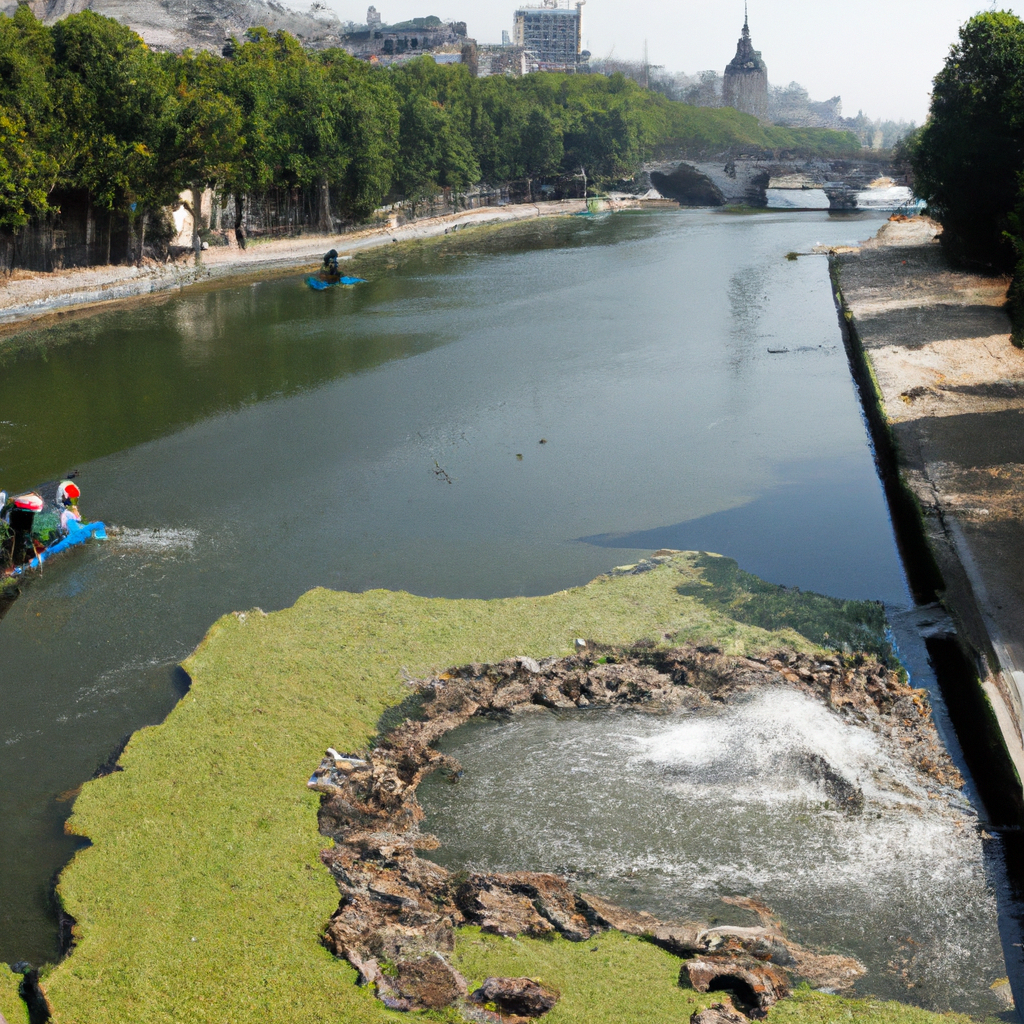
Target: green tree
{"x": 205, "y": 141}
{"x": 970, "y": 153}
{"x": 435, "y": 111}
{"x": 364, "y": 107}
{"x": 111, "y": 94}
{"x": 28, "y": 167}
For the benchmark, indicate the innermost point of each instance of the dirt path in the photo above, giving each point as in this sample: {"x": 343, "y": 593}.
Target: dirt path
{"x": 29, "y": 296}
{"x": 951, "y": 386}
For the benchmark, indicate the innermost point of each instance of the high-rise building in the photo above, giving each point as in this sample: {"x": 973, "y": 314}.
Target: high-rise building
{"x": 551, "y": 34}
{"x": 746, "y": 78}
{"x": 373, "y": 19}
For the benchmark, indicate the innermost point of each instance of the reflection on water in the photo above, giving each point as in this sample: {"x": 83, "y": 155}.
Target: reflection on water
{"x": 669, "y": 814}
{"x": 251, "y": 442}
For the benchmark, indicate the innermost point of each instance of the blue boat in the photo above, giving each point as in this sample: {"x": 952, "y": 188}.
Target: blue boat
{"x": 33, "y": 530}
{"x": 321, "y": 282}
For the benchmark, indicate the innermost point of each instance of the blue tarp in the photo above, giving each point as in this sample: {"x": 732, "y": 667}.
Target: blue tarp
{"x": 319, "y": 284}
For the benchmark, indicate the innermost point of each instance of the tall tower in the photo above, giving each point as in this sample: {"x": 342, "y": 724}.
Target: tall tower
{"x": 746, "y": 78}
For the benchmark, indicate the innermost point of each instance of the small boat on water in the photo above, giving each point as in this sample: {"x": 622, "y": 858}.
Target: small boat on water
{"x": 329, "y": 275}
{"x": 320, "y": 282}
{"x": 34, "y": 528}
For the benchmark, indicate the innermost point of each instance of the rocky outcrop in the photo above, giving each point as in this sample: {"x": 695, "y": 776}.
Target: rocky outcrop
{"x": 754, "y": 985}
{"x": 718, "y": 1013}
{"x": 521, "y": 997}
{"x": 199, "y": 24}
{"x": 398, "y": 912}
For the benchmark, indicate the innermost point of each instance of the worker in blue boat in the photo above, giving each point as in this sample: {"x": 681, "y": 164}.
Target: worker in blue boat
{"x": 18, "y": 515}
{"x": 330, "y": 266}
{"x": 68, "y": 494}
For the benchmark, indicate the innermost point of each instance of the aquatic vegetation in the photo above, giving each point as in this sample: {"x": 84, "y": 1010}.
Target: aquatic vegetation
{"x": 842, "y": 626}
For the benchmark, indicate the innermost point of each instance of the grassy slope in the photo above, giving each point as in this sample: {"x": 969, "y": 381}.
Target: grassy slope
{"x": 12, "y": 1006}
{"x": 202, "y": 898}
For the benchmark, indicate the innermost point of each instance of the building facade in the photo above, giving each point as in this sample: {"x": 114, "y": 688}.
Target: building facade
{"x": 746, "y": 79}
{"x": 551, "y": 35}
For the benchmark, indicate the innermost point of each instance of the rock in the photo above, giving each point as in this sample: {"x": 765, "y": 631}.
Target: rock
{"x": 630, "y": 922}
{"x": 846, "y": 795}
{"x": 429, "y": 983}
{"x": 520, "y": 996}
{"x": 754, "y": 985}
{"x": 718, "y": 1013}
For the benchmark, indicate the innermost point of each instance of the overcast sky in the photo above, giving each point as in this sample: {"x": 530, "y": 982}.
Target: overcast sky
{"x": 879, "y": 55}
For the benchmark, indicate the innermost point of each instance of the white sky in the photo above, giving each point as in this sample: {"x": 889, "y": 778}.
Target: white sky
{"x": 879, "y": 55}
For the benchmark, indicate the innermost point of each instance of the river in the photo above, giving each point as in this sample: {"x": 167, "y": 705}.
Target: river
{"x": 497, "y": 412}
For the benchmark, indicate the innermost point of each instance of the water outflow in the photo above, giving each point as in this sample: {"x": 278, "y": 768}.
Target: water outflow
{"x": 670, "y": 813}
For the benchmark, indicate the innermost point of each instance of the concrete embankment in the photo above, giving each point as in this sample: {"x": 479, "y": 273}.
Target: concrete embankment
{"x": 29, "y": 296}
{"x": 943, "y": 389}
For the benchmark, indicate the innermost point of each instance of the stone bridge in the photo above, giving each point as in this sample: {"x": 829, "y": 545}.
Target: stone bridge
{"x": 745, "y": 180}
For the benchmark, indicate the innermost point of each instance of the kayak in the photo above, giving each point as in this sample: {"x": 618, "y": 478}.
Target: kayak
{"x": 319, "y": 284}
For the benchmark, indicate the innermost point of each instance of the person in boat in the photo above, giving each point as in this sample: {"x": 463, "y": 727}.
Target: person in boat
{"x": 330, "y": 266}
{"x": 19, "y": 515}
{"x": 68, "y": 494}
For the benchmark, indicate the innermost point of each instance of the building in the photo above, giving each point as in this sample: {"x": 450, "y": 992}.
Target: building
{"x": 506, "y": 60}
{"x": 551, "y": 35}
{"x": 746, "y": 79}
{"x": 406, "y": 40}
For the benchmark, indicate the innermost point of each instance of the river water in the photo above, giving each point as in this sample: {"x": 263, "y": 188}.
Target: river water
{"x": 499, "y": 412}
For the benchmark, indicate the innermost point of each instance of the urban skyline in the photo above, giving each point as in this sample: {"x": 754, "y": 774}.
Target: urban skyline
{"x": 878, "y": 60}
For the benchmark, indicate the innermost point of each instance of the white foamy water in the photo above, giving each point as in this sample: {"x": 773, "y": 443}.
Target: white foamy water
{"x": 895, "y": 197}
{"x": 157, "y": 541}
{"x": 670, "y": 814}
{"x": 797, "y": 199}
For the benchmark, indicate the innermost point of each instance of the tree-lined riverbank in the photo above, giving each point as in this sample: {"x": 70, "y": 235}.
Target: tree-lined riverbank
{"x": 98, "y": 135}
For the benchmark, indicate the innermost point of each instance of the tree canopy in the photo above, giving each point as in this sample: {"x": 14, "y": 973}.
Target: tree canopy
{"x": 86, "y": 107}
{"x": 969, "y": 156}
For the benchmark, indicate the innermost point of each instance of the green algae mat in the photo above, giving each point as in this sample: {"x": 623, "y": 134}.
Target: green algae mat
{"x": 202, "y": 899}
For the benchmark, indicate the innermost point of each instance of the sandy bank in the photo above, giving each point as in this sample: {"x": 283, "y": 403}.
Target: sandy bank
{"x": 29, "y": 296}
{"x": 951, "y": 389}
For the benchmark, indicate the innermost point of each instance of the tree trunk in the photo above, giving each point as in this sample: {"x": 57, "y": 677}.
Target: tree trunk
{"x": 110, "y": 234}
{"x": 197, "y": 217}
{"x": 142, "y": 237}
{"x": 239, "y": 221}
{"x": 324, "y": 222}
{"x": 90, "y": 232}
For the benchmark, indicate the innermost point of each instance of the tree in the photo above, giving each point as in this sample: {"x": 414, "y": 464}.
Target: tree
{"x": 970, "y": 153}
{"x": 205, "y": 140}
{"x": 28, "y": 168}
{"x": 111, "y": 94}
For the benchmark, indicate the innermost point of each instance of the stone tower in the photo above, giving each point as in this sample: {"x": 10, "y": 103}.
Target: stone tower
{"x": 746, "y": 78}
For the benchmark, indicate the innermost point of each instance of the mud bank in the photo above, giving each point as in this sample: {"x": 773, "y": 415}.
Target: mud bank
{"x": 27, "y": 296}
{"x": 943, "y": 390}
